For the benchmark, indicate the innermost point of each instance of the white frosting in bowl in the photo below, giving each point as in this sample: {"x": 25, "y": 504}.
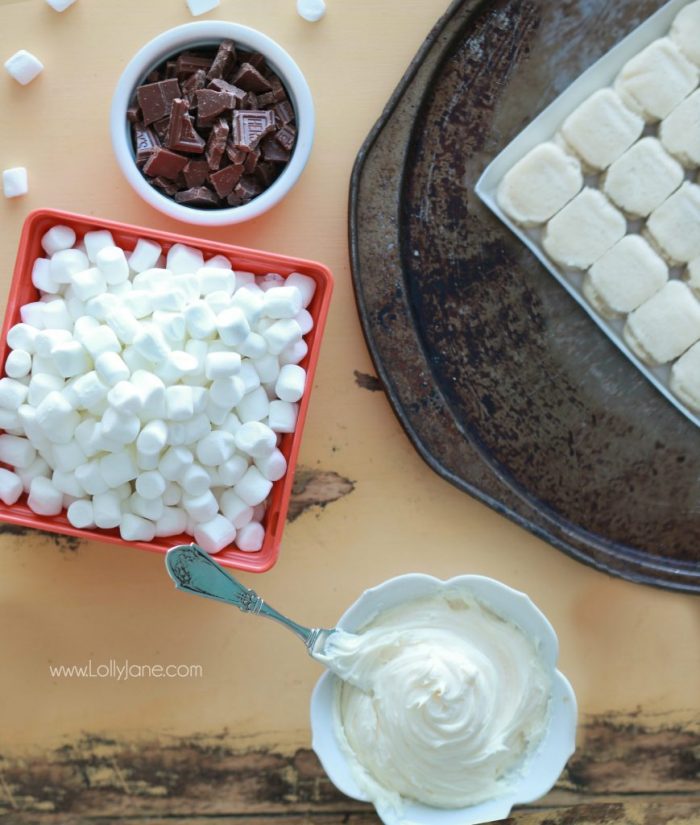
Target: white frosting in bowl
{"x": 441, "y": 701}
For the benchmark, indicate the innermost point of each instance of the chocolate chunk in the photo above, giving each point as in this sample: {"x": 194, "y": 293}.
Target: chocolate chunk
{"x": 154, "y": 76}
{"x": 190, "y": 62}
{"x": 211, "y": 103}
{"x": 182, "y": 136}
{"x": 250, "y": 127}
{"x": 155, "y": 99}
{"x": 164, "y": 163}
{"x": 235, "y": 155}
{"x": 195, "y": 173}
{"x": 225, "y": 179}
{"x": 224, "y": 60}
{"x": 169, "y": 187}
{"x": 247, "y": 189}
{"x": 193, "y": 84}
{"x": 285, "y": 137}
{"x": 255, "y": 59}
{"x": 133, "y": 114}
{"x": 161, "y": 128}
{"x": 170, "y": 69}
{"x": 250, "y": 101}
{"x": 249, "y": 78}
{"x": 272, "y": 151}
{"x": 197, "y": 196}
{"x": 220, "y": 85}
{"x": 251, "y": 162}
{"x": 217, "y": 143}
{"x": 146, "y": 143}
{"x": 266, "y": 173}
{"x": 284, "y": 113}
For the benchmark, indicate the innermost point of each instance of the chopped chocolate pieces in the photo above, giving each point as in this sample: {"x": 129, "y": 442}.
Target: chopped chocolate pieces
{"x": 284, "y": 136}
{"x": 195, "y": 173}
{"x": 155, "y": 99}
{"x": 182, "y": 136}
{"x": 250, "y": 127}
{"x": 211, "y": 103}
{"x": 284, "y": 112}
{"x": 217, "y": 144}
{"x": 225, "y": 179}
{"x": 197, "y": 196}
{"x": 212, "y": 127}
{"x": 146, "y": 143}
{"x": 164, "y": 163}
{"x": 272, "y": 151}
{"x": 250, "y": 79}
{"x": 224, "y": 60}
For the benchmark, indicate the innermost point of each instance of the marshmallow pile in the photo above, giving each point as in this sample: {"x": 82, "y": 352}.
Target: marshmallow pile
{"x": 149, "y": 394}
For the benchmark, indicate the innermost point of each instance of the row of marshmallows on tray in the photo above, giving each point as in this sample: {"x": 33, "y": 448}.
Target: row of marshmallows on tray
{"x": 639, "y": 143}
{"x": 148, "y": 393}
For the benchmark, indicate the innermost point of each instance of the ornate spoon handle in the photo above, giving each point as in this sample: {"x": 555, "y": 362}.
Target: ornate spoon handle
{"x": 196, "y": 572}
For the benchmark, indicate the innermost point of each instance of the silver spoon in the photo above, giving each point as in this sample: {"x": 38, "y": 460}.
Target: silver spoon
{"x": 194, "y": 571}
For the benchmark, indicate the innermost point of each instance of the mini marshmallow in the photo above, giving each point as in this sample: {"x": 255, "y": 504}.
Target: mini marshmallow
{"x": 273, "y": 466}
{"x": 57, "y": 418}
{"x": 147, "y": 463}
{"x": 15, "y": 182}
{"x": 200, "y": 320}
{"x": 254, "y": 346}
{"x": 290, "y": 383}
{"x": 168, "y": 299}
{"x": 96, "y": 241}
{"x": 80, "y": 514}
{"x": 215, "y": 448}
{"x": 305, "y": 320}
{"x": 152, "y": 437}
{"x": 172, "y": 325}
{"x": 135, "y": 528}
{"x": 197, "y": 428}
{"x": 172, "y": 522}
{"x": 119, "y": 426}
{"x": 11, "y": 487}
{"x": 10, "y": 420}
{"x": 70, "y": 359}
{"x": 88, "y": 390}
{"x": 90, "y": 478}
{"x": 198, "y": 7}
{"x": 218, "y": 301}
{"x": 153, "y": 279}
{"x": 12, "y": 393}
{"x": 38, "y": 467}
{"x": 138, "y": 302}
{"x": 18, "y": 363}
{"x": 101, "y": 305}
{"x": 22, "y": 336}
{"x": 178, "y": 403}
{"x": 67, "y": 483}
{"x": 282, "y": 417}
{"x": 253, "y": 487}
{"x": 195, "y": 480}
{"x": 254, "y": 406}
{"x": 145, "y": 255}
{"x": 44, "y": 499}
{"x": 251, "y": 537}
{"x": 282, "y": 302}
{"x": 151, "y": 484}
{"x": 201, "y": 507}
{"x": 57, "y": 239}
{"x": 187, "y": 284}
{"x": 235, "y": 509}
{"x": 250, "y": 301}
{"x": 150, "y": 343}
{"x": 135, "y": 361}
{"x": 249, "y": 376}
{"x": 40, "y": 385}
{"x": 41, "y": 276}
{"x": 233, "y": 470}
{"x": 182, "y": 260}
{"x": 152, "y": 391}
{"x": 222, "y": 365}
{"x": 172, "y": 494}
{"x": 124, "y": 397}
{"x": 66, "y": 262}
{"x": 47, "y": 339}
{"x": 99, "y": 340}
{"x": 32, "y": 314}
{"x": 107, "y": 511}
{"x": 227, "y": 392}
{"x": 123, "y": 323}
{"x": 175, "y": 462}
{"x": 150, "y": 508}
{"x": 215, "y": 534}
{"x": 233, "y": 326}
{"x": 88, "y": 283}
{"x": 282, "y": 334}
{"x": 112, "y": 263}
{"x": 118, "y": 468}
{"x": 267, "y": 367}
{"x": 213, "y": 279}
{"x": 255, "y": 439}
{"x": 56, "y": 315}
{"x": 23, "y": 66}
{"x": 68, "y": 457}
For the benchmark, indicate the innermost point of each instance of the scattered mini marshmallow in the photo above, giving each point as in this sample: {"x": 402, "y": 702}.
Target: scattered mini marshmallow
{"x": 15, "y": 182}
{"x": 60, "y": 5}
{"x": 311, "y": 10}
{"x": 24, "y": 66}
{"x": 198, "y": 7}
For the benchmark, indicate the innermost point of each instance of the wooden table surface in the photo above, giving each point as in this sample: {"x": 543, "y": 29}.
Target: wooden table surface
{"x": 233, "y": 742}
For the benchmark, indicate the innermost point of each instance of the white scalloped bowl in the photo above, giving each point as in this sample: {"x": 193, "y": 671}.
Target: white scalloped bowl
{"x": 191, "y": 35}
{"x": 543, "y": 766}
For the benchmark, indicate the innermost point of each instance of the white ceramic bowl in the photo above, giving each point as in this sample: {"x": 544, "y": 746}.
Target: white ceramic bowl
{"x": 191, "y": 35}
{"x": 545, "y": 764}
